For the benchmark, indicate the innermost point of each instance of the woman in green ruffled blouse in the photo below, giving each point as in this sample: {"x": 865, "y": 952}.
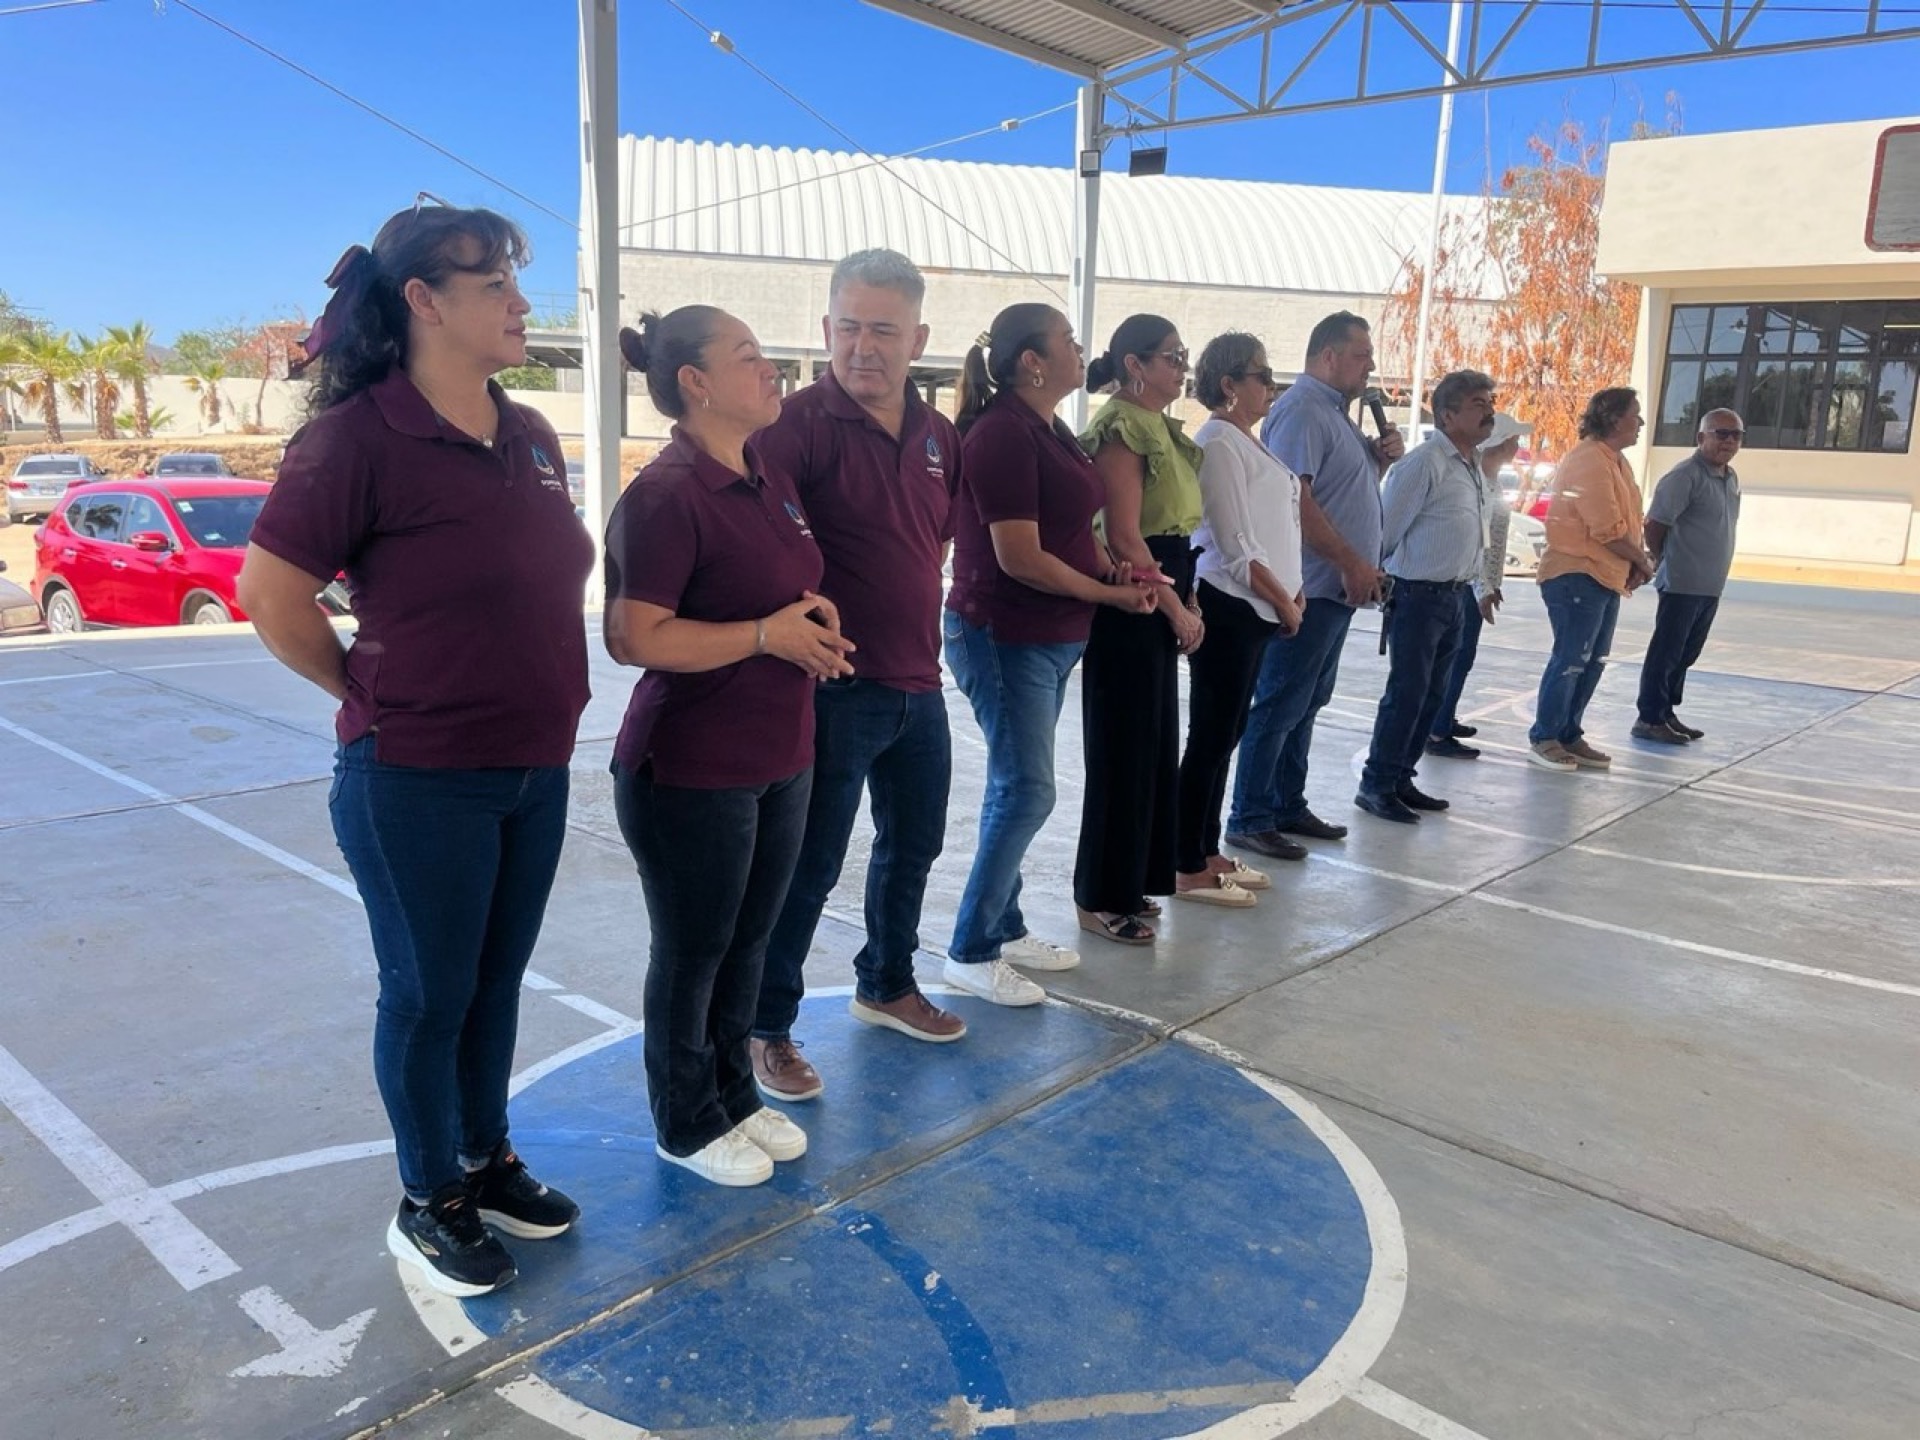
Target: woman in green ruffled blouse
{"x": 1130, "y": 678}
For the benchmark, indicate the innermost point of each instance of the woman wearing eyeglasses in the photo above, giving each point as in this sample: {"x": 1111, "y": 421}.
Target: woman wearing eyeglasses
{"x": 1249, "y": 591}
{"x": 1129, "y": 681}
{"x": 446, "y": 504}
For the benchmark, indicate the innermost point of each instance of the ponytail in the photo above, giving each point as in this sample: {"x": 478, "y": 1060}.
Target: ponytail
{"x": 975, "y": 390}
{"x": 994, "y": 361}
{"x": 1139, "y": 336}
{"x": 663, "y": 344}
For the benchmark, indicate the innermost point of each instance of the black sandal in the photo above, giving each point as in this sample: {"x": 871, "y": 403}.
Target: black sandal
{"x": 1120, "y": 929}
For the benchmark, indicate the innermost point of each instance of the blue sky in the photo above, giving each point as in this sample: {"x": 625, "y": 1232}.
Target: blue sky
{"x": 158, "y": 168}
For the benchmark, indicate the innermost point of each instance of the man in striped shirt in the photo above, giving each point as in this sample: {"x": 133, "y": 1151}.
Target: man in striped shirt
{"x": 1434, "y": 533}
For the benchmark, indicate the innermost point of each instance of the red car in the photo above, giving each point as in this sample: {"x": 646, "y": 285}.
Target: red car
{"x": 145, "y": 552}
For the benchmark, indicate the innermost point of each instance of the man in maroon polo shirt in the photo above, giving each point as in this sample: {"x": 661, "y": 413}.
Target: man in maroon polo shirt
{"x": 876, "y": 468}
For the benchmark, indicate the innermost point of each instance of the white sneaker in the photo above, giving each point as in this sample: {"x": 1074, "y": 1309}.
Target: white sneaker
{"x": 774, "y": 1133}
{"x": 995, "y": 980}
{"x": 1033, "y": 953}
{"x": 733, "y": 1159}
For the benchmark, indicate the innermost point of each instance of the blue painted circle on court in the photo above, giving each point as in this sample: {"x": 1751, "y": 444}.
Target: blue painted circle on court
{"x": 1033, "y": 1223}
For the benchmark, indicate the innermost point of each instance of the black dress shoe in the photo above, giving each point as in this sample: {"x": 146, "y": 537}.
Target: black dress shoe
{"x": 1313, "y": 827}
{"x": 1448, "y": 748}
{"x": 1661, "y": 734}
{"x": 1387, "y": 807}
{"x": 1268, "y": 842}
{"x": 1464, "y": 732}
{"x": 1417, "y": 799}
{"x": 1673, "y": 723}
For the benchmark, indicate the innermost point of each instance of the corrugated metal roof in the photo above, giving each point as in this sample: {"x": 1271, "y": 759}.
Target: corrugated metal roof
{"x": 1080, "y": 35}
{"x": 740, "y": 200}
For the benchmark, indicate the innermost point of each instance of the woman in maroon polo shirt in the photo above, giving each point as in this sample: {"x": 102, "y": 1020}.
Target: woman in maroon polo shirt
{"x": 447, "y": 507}
{"x": 711, "y": 569}
{"x": 1028, "y": 575}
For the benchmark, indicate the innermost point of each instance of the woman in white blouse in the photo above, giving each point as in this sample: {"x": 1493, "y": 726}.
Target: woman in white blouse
{"x": 1249, "y": 592}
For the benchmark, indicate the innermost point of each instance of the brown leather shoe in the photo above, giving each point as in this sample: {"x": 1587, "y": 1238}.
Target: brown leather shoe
{"x": 782, "y": 1073}
{"x": 912, "y": 1014}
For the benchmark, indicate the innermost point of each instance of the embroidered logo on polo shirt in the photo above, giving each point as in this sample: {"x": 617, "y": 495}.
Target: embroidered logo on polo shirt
{"x": 793, "y": 512}
{"x": 549, "y": 478}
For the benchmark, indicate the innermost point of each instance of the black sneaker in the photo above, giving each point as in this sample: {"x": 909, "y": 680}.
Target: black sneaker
{"x": 513, "y": 1201}
{"x": 446, "y": 1240}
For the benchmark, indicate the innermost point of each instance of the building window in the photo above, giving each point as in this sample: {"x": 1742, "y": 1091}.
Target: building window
{"x": 1807, "y": 375}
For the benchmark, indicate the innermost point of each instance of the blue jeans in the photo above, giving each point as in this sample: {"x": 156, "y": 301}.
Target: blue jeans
{"x": 454, "y": 867}
{"x": 1463, "y": 658}
{"x": 1421, "y": 640}
{"x": 1680, "y": 629}
{"x": 714, "y": 865}
{"x": 1016, "y": 692}
{"x": 1296, "y": 681}
{"x": 896, "y": 746}
{"x": 1582, "y": 612}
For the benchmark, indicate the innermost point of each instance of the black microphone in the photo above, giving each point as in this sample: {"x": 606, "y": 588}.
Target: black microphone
{"x": 1376, "y": 401}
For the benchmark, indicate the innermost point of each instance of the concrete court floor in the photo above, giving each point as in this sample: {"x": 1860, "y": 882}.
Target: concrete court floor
{"x": 1634, "y": 1056}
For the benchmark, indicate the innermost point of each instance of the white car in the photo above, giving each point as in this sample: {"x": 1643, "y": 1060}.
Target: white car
{"x": 1526, "y": 543}
{"x": 40, "y": 482}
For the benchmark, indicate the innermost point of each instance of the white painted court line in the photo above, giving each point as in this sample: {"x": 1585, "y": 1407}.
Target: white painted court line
{"x": 1718, "y": 952}
{"x": 1392, "y": 1405}
{"x": 1772, "y": 877}
{"x": 1732, "y": 787}
{"x": 181, "y": 1247}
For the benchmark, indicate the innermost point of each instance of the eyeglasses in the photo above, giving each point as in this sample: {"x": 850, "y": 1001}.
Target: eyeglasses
{"x": 1265, "y": 377}
{"x": 1720, "y": 434}
{"x": 1175, "y": 358}
{"x": 427, "y": 197}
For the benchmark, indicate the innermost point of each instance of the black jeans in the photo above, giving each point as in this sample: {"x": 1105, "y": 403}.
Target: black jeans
{"x": 1679, "y": 635}
{"x": 1421, "y": 641}
{"x": 1130, "y": 716}
{"x": 715, "y": 866}
{"x": 896, "y": 746}
{"x": 1220, "y": 675}
{"x": 1463, "y": 658}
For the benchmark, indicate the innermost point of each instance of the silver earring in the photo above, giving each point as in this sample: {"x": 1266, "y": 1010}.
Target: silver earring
{"x": 1039, "y": 382}
{"x": 706, "y": 402}
{"x": 1139, "y": 386}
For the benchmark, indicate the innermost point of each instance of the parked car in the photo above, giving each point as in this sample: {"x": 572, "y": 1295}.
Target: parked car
{"x": 1526, "y": 543}
{"x": 19, "y": 614}
{"x": 39, "y": 482}
{"x": 189, "y": 462}
{"x": 145, "y": 552}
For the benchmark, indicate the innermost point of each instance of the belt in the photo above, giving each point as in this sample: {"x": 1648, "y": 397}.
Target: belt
{"x": 1431, "y": 584}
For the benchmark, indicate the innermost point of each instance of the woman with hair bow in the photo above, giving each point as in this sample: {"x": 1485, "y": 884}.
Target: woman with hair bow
{"x": 447, "y": 506}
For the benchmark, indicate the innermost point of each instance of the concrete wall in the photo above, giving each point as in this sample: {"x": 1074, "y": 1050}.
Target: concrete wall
{"x": 1752, "y": 217}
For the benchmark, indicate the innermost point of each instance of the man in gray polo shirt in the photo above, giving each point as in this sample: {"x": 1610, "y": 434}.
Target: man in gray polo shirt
{"x": 1310, "y": 432}
{"x": 1690, "y": 528}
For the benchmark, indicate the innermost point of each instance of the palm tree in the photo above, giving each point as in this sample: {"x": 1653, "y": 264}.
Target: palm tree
{"x": 133, "y": 364}
{"x": 51, "y": 362}
{"x": 96, "y": 387}
{"x": 205, "y": 382}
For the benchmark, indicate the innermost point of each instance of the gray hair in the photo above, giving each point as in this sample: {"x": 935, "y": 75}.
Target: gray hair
{"x": 1455, "y": 388}
{"x": 1731, "y": 414}
{"x": 884, "y": 270}
{"x": 1226, "y": 355}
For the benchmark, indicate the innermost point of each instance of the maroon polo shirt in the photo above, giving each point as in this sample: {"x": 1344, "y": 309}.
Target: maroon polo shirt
{"x": 468, "y": 567}
{"x": 882, "y": 511}
{"x": 692, "y": 537}
{"x": 1022, "y": 467}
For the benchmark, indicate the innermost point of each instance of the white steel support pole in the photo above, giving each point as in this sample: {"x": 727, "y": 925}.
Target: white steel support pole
{"x": 1086, "y": 232}
{"x": 603, "y": 393}
{"x": 1440, "y": 147}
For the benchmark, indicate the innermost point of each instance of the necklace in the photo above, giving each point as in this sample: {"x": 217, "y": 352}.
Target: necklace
{"x": 485, "y": 438}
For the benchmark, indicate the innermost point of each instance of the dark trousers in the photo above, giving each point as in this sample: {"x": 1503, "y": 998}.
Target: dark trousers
{"x": 1220, "y": 677}
{"x": 1463, "y": 658}
{"x": 1421, "y": 640}
{"x": 1680, "y": 630}
{"x": 714, "y": 865}
{"x": 1130, "y": 716}
{"x": 895, "y": 746}
{"x": 454, "y": 867}
{"x": 1297, "y": 676}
